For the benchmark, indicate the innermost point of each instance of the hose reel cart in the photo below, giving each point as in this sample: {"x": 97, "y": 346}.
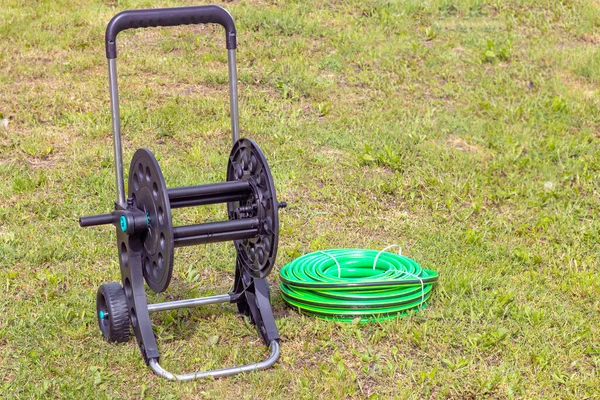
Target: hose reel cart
{"x": 146, "y": 237}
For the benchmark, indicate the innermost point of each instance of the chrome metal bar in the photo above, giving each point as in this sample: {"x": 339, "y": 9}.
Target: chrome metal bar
{"x": 233, "y": 96}
{"x": 188, "y": 303}
{"x": 116, "y": 125}
{"x": 218, "y": 373}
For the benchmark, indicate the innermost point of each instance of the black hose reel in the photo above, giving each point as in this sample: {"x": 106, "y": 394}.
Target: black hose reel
{"x": 146, "y": 238}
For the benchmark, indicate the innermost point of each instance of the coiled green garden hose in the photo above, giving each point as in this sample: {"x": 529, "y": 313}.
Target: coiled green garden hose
{"x": 346, "y": 284}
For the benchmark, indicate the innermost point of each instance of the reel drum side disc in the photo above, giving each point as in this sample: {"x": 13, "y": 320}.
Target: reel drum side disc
{"x": 248, "y": 163}
{"x": 148, "y": 190}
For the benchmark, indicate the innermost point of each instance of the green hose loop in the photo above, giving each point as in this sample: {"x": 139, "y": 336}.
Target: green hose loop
{"x": 346, "y": 284}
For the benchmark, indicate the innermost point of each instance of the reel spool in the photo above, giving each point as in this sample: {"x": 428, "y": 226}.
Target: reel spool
{"x": 251, "y": 203}
{"x": 146, "y": 237}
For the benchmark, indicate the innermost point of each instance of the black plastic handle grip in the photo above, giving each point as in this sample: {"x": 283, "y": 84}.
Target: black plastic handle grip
{"x": 95, "y": 220}
{"x": 168, "y": 17}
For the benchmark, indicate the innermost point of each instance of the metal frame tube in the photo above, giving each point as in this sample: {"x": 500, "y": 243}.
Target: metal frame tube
{"x": 189, "y": 303}
{"x": 218, "y": 373}
{"x": 116, "y": 125}
{"x": 116, "y": 116}
{"x": 233, "y": 96}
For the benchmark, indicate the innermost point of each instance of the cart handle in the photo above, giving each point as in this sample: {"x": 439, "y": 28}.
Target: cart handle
{"x": 168, "y": 17}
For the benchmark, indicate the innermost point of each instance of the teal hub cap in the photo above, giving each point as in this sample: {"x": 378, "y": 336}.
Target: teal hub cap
{"x": 103, "y": 314}
{"x": 123, "y": 223}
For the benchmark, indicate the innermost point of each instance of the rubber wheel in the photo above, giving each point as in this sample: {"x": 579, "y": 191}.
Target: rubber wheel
{"x": 112, "y": 312}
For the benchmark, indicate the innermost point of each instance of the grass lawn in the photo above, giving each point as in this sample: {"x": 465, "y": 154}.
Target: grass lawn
{"x": 466, "y": 131}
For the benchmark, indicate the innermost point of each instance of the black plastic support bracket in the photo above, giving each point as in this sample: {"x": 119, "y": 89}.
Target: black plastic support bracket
{"x": 131, "y": 262}
{"x": 253, "y": 300}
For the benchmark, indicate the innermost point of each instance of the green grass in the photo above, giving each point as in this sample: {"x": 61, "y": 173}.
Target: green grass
{"x": 466, "y": 131}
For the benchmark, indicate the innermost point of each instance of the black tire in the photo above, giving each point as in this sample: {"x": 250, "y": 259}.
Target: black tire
{"x": 112, "y": 312}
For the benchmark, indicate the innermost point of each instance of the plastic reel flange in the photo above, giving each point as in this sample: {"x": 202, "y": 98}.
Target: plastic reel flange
{"x": 149, "y": 193}
{"x": 248, "y": 163}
